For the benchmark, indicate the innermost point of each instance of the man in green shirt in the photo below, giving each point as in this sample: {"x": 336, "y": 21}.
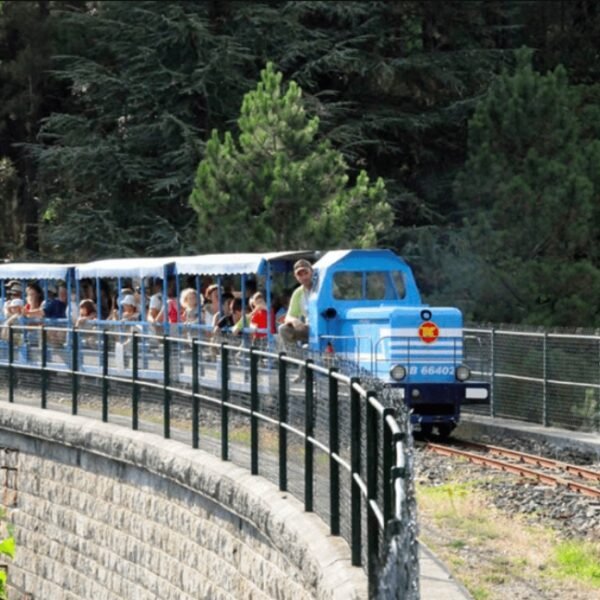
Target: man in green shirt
{"x": 295, "y": 327}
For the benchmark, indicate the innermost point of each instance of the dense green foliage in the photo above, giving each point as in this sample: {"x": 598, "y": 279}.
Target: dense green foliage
{"x": 107, "y": 110}
{"x": 530, "y": 191}
{"x": 247, "y": 190}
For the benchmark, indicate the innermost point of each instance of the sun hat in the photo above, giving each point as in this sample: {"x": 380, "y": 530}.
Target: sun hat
{"x": 128, "y": 300}
{"x": 211, "y": 288}
{"x": 14, "y": 287}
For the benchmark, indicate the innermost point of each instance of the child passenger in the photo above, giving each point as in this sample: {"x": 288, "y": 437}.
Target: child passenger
{"x": 189, "y": 303}
{"x": 129, "y": 309}
{"x": 259, "y": 319}
{"x": 87, "y": 312}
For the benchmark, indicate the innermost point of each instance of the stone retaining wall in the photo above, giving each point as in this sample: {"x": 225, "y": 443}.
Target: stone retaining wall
{"x": 105, "y": 513}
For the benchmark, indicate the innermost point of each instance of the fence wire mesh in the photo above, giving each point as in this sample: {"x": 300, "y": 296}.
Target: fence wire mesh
{"x": 549, "y": 378}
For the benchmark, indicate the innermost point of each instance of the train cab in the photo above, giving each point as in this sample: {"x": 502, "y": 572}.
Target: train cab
{"x": 365, "y": 308}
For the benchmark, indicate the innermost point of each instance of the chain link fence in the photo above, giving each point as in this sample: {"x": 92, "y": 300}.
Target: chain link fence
{"x": 551, "y": 378}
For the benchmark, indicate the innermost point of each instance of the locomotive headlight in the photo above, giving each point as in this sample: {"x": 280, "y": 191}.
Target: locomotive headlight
{"x": 398, "y": 372}
{"x": 462, "y": 373}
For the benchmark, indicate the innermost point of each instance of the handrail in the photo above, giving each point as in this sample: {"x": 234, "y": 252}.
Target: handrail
{"x": 384, "y": 443}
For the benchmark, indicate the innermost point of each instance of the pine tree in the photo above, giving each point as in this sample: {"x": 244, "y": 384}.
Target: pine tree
{"x": 278, "y": 186}
{"x": 530, "y": 192}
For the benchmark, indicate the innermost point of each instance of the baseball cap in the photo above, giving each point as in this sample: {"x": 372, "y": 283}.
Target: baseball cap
{"x": 302, "y": 264}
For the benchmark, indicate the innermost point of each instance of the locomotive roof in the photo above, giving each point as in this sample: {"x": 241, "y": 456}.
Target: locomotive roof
{"x": 368, "y": 255}
{"x": 33, "y": 271}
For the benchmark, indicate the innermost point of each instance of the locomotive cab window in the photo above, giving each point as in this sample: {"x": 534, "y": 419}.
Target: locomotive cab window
{"x": 370, "y": 285}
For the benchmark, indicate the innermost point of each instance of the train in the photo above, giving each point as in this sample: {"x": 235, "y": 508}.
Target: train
{"x": 365, "y": 313}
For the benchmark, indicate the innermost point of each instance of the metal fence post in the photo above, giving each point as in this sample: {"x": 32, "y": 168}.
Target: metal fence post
{"x": 11, "y": 368}
{"x": 224, "y": 401}
{"x": 74, "y": 369}
{"x": 355, "y": 445}
{"x": 493, "y": 377}
{"x": 334, "y": 450}
{"x": 283, "y": 417}
{"x": 372, "y": 469}
{"x": 253, "y": 411}
{"x": 308, "y": 433}
{"x": 105, "y": 376}
{"x": 166, "y": 383}
{"x": 195, "y": 399}
{"x": 388, "y": 463}
{"x": 545, "y": 383}
{"x": 44, "y": 377}
{"x": 134, "y": 385}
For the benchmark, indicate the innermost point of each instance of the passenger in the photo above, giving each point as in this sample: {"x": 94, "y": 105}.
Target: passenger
{"x": 13, "y": 291}
{"x": 226, "y": 321}
{"x": 87, "y": 313}
{"x": 295, "y": 326}
{"x": 33, "y": 307}
{"x": 259, "y": 317}
{"x": 191, "y": 311}
{"x": 107, "y": 302}
{"x": 211, "y": 305}
{"x": 241, "y": 320}
{"x": 55, "y": 307}
{"x": 15, "y": 316}
{"x": 155, "y": 301}
{"x": 129, "y": 309}
{"x": 172, "y": 312}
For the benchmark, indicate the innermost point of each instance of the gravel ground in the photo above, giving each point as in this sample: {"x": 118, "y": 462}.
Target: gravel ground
{"x": 524, "y": 504}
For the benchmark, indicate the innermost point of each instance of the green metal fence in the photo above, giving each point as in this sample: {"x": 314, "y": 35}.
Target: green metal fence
{"x": 340, "y": 444}
{"x": 550, "y": 378}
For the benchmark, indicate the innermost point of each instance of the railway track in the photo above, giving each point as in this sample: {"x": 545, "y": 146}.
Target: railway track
{"x": 547, "y": 471}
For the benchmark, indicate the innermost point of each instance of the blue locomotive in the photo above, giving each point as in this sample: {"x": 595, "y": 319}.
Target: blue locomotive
{"x": 366, "y": 308}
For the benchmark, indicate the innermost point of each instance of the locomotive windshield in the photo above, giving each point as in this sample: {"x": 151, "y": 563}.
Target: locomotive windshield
{"x": 369, "y": 285}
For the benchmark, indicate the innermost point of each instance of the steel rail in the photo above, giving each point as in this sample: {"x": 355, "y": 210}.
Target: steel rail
{"x": 514, "y": 468}
{"x": 540, "y": 461}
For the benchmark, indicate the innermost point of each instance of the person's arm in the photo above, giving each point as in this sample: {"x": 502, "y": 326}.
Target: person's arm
{"x": 239, "y": 326}
{"x": 35, "y": 313}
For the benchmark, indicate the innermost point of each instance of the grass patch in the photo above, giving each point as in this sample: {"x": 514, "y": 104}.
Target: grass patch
{"x": 579, "y": 560}
{"x": 490, "y": 551}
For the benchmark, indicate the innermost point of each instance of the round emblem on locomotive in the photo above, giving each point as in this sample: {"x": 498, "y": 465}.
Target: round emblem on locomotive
{"x": 429, "y": 332}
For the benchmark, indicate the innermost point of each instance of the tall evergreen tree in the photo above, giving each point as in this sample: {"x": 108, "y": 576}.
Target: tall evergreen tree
{"x": 278, "y": 186}
{"x": 530, "y": 190}
{"x": 147, "y": 79}
{"x": 27, "y": 94}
